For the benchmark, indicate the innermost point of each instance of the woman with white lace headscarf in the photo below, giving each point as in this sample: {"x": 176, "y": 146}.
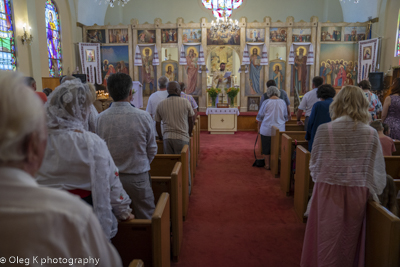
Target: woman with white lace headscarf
{"x": 348, "y": 167}
{"x": 79, "y": 161}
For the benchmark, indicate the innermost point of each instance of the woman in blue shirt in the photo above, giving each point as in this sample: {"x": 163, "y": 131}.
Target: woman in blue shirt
{"x": 320, "y": 112}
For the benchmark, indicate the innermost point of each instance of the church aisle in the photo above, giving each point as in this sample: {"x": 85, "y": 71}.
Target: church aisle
{"x": 238, "y": 215}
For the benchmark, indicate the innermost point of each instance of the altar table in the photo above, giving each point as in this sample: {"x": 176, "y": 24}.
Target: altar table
{"x": 222, "y": 120}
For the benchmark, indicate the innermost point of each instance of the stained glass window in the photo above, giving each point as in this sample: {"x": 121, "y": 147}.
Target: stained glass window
{"x": 7, "y": 42}
{"x": 53, "y": 31}
{"x": 222, "y": 8}
{"x": 397, "y": 50}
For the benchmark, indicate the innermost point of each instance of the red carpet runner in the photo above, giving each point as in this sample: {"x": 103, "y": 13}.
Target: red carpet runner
{"x": 238, "y": 216}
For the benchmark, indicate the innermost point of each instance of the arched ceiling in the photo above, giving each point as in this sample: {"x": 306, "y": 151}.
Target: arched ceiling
{"x": 89, "y": 12}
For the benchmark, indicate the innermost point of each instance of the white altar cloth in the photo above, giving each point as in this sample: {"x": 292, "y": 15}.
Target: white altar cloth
{"x": 221, "y": 111}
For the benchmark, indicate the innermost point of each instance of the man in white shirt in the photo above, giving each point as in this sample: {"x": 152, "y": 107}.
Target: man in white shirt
{"x": 157, "y": 97}
{"x": 39, "y": 225}
{"x": 308, "y": 101}
{"x": 129, "y": 134}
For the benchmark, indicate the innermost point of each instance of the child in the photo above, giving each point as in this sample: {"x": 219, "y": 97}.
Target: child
{"x": 386, "y": 142}
{"x": 386, "y": 129}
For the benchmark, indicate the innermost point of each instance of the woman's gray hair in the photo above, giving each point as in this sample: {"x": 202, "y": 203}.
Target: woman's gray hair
{"x": 21, "y": 114}
{"x": 162, "y": 82}
{"x": 273, "y": 91}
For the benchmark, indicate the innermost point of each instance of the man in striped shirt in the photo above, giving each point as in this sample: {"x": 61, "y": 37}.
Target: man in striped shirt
{"x": 176, "y": 113}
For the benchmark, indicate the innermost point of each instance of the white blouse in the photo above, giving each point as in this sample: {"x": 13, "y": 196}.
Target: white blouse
{"x": 81, "y": 160}
{"x": 273, "y": 112}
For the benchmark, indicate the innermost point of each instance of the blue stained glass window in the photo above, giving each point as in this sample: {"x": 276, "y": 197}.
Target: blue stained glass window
{"x": 53, "y": 31}
{"x": 7, "y": 39}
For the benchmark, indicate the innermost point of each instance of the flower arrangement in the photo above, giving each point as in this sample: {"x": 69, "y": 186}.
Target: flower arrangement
{"x": 213, "y": 92}
{"x": 232, "y": 93}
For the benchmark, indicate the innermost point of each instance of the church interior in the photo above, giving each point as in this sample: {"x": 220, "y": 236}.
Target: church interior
{"x": 277, "y": 82}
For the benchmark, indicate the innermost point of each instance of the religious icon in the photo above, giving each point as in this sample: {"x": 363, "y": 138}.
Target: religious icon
{"x": 278, "y": 34}
{"x": 278, "y": 75}
{"x": 52, "y": 35}
{"x": 118, "y": 36}
{"x": 147, "y": 72}
{"x": 253, "y": 103}
{"x": 367, "y": 52}
{"x": 191, "y": 36}
{"x": 300, "y": 70}
{"x": 301, "y": 35}
{"x": 255, "y": 70}
{"x": 255, "y": 35}
{"x": 115, "y": 59}
{"x": 169, "y": 36}
{"x": 170, "y": 72}
{"x": 90, "y": 55}
{"x": 361, "y": 33}
{"x": 350, "y": 34}
{"x": 192, "y": 69}
{"x": 225, "y": 38}
{"x": 146, "y": 36}
{"x": 96, "y": 36}
{"x": 331, "y": 34}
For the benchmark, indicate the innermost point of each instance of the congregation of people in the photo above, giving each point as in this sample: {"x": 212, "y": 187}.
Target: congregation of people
{"x": 54, "y": 145}
{"x": 349, "y": 133}
{"x": 58, "y": 153}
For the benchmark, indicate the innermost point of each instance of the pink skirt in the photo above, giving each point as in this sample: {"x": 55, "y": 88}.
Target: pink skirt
{"x": 335, "y": 233}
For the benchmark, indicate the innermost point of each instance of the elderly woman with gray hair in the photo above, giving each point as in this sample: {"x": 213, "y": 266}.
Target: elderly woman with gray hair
{"x": 79, "y": 161}
{"x": 273, "y": 112}
{"x": 41, "y": 222}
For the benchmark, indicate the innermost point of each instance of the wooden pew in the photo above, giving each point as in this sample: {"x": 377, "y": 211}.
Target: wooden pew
{"x": 276, "y": 136}
{"x": 382, "y": 237}
{"x": 191, "y": 158}
{"x": 198, "y": 130}
{"x": 397, "y": 145}
{"x": 148, "y": 240}
{"x": 393, "y": 166}
{"x": 303, "y": 182}
{"x": 136, "y": 263}
{"x": 164, "y": 163}
{"x": 287, "y": 148}
{"x": 160, "y": 147}
{"x": 172, "y": 184}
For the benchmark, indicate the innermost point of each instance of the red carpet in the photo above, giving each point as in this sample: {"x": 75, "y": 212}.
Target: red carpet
{"x": 238, "y": 215}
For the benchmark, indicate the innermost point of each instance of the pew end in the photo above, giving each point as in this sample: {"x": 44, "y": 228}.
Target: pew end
{"x": 302, "y": 182}
{"x": 382, "y": 237}
{"x": 148, "y": 240}
{"x": 173, "y": 185}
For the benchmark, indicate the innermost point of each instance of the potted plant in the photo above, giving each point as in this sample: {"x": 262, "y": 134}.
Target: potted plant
{"x": 213, "y": 92}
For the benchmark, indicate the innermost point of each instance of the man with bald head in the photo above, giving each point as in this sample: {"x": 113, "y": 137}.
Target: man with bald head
{"x": 176, "y": 114}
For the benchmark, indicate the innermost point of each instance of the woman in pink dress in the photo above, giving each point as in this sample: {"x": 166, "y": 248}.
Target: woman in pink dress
{"x": 192, "y": 72}
{"x": 347, "y": 167}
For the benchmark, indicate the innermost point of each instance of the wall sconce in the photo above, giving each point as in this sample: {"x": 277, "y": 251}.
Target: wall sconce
{"x": 25, "y": 37}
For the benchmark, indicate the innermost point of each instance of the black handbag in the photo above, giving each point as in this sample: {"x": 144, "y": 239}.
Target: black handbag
{"x": 258, "y": 162}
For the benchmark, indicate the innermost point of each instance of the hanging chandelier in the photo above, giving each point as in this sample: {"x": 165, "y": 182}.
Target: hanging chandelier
{"x": 224, "y": 25}
{"x": 111, "y": 3}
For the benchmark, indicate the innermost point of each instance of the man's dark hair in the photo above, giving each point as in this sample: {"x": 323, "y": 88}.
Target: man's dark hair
{"x": 119, "y": 85}
{"x": 47, "y": 91}
{"x": 365, "y": 85}
{"x": 317, "y": 81}
{"x": 326, "y": 91}
{"x": 222, "y": 63}
{"x": 29, "y": 81}
{"x": 182, "y": 85}
{"x": 271, "y": 83}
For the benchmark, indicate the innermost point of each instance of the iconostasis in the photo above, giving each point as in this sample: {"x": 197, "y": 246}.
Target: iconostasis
{"x": 291, "y": 53}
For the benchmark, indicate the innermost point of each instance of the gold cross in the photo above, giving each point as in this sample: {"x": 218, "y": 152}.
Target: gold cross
{"x": 277, "y": 55}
